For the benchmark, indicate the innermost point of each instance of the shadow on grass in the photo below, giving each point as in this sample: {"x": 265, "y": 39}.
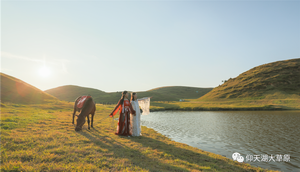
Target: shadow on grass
{"x": 170, "y": 160}
{"x": 186, "y": 155}
{"x": 120, "y": 151}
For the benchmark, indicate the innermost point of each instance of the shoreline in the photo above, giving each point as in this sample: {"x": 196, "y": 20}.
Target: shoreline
{"x": 221, "y": 109}
{"x": 187, "y": 142}
{"x": 210, "y": 154}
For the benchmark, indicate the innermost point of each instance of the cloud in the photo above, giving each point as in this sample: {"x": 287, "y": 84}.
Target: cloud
{"x": 60, "y": 63}
{"x": 13, "y": 56}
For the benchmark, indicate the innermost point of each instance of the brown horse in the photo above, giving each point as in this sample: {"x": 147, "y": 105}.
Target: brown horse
{"x": 88, "y": 107}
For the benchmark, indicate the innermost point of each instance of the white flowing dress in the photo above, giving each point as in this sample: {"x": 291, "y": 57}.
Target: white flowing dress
{"x": 135, "y": 120}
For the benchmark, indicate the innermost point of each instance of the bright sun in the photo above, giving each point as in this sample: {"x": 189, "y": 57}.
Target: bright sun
{"x": 44, "y": 71}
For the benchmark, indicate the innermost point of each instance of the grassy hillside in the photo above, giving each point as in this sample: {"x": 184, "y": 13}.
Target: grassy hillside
{"x": 71, "y": 92}
{"x": 260, "y": 81}
{"x": 179, "y": 92}
{"x": 281, "y": 103}
{"x": 271, "y": 86}
{"x": 17, "y": 91}
{"x": 42, "y": 138}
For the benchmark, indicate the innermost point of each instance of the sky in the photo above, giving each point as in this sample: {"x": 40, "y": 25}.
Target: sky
{"x": 141, "y": 45}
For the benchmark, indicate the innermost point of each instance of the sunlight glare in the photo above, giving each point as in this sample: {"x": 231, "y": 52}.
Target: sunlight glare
{"x": 44, "y": 71}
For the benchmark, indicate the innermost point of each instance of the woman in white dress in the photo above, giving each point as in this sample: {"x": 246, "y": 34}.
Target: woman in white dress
{"x": 135, "y": 120}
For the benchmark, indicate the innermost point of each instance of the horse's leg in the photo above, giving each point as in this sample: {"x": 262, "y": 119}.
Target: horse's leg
{"x": 88, "y": 118}
{"x": 73, "y": 115}
{"x": 92, "y": 120}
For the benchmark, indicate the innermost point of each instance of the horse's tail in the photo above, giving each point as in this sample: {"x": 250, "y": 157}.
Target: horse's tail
{"x": 76, "y": 100}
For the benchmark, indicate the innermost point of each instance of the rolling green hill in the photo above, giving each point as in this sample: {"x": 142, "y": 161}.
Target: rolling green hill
{"x": 17, "y": 91}
{"x": 281, "y": 77}
{"x": 71, "y": 92}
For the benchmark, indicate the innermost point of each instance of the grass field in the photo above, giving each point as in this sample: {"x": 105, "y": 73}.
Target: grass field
{"x": 41, "y": 138}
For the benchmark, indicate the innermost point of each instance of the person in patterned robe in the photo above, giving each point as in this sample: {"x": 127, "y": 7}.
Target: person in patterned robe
{"x": 124, "y": 119}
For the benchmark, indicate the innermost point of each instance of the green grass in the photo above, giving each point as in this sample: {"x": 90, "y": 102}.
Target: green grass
{"x": 41, "y": 138}
{"x": 269, "y": 101}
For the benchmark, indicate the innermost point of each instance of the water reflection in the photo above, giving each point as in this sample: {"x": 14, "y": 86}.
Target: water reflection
{"x": 226, "y": 132}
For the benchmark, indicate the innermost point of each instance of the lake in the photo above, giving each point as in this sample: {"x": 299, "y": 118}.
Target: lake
{"x": 263, "y": 136}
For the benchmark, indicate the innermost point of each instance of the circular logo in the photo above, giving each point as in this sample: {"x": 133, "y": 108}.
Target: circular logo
{"x": 235, "y": 155}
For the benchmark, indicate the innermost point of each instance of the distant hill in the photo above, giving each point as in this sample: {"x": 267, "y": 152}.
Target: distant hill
{"x": 174, "y": 93}
{"x": 17, "y": 91}
{"x": 278, "y": 77}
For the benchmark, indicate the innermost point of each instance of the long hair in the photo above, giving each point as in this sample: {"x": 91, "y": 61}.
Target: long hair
{"x": 132, "y": 96}
{"x": 123, "y": 96}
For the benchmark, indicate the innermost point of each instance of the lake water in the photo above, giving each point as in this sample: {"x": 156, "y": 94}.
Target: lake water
{"x": 249, "y": 133}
